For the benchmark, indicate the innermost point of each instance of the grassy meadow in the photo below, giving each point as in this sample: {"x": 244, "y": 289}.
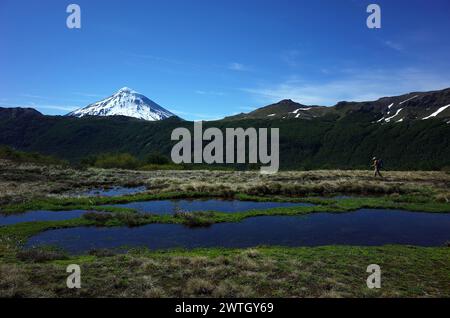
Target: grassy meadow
{"x": 265, "y": 271}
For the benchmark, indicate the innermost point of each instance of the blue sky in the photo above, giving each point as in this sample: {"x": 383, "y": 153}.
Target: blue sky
{"x": 204, "y": 59}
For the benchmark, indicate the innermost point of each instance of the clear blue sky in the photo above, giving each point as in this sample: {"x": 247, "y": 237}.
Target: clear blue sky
{"x": 204, "y": 59}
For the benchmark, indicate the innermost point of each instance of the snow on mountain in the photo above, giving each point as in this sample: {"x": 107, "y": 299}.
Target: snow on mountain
{"x": 405, "y": 101}
{"x": 300, "y": 109}
{"x": 126, "y": 102}
{"x": 396, "y": 114}
{"x": 440, "y": 110}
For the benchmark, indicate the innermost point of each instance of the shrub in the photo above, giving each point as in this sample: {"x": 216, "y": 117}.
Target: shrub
{"x": 9, "y": 153}
{"x": 102, "y": 252}
{"x": 99, "y": 217}
{"x": 152, "y": 167}
{"x": 157, "y": 159}
{"x": 88, "y": 161}
{"x": 121, "y": 161}
{"x": 41, "y": 254}
{"x": 446, "y": 169}
{"x": 131, "y": 219}
{"x": 443, "y": 197}
{"x": 154, "y": 161}
{"x": 199, "y": 286}
{"x": 198, "y": 219}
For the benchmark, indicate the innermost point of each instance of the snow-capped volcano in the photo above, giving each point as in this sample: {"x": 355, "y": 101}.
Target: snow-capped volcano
{"x": 126, "y": 102}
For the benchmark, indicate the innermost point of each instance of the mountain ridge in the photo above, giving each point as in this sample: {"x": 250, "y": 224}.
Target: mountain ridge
{"x": 410, "y": 106}
{"x": 347, "y": 138}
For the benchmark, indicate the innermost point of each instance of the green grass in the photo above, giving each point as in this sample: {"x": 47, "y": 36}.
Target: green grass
{"x": 332, "y": 271}
{"x": 329, "y": 271}
{"x": 406, "y": 202}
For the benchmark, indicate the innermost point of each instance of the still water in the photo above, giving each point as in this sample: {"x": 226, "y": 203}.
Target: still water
{"x": 35, "y": 216}
{"x": 111, "y": 192}
{"x": 365, "y": 227}
{"x": 155, "y": 207}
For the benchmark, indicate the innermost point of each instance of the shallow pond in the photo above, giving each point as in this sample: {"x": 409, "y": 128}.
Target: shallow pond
{"x": 364, "y": 227}
{"x": 34, "y": 216}
{"x": 155, "y": 207}
{"x": 111, "y": 192}
{"x": 229, "y": 206}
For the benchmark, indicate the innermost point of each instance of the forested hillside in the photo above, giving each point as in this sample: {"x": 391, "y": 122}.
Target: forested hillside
{"x": 326, "y": 142}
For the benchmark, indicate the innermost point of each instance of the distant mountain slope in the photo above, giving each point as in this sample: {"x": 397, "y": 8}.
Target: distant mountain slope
{"x": 322, "y": 142}
{"x": 126, "y": 102}
{"x": 285, "y": 109}
{"x": 412, "y": 106}
{"x": 73, "y": 138}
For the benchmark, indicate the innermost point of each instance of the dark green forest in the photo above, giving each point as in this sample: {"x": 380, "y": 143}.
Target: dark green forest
{"x": 327, "y": 142}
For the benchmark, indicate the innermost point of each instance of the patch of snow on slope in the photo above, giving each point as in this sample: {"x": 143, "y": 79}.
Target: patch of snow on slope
{"x": 389, "y": 118}
{"x": 440, "y": 110}
{"x": 300, "y": 109}
{"x": 389, "y": 108}
{"x": 271, "y": 115}
{"x": 401, "y": 103}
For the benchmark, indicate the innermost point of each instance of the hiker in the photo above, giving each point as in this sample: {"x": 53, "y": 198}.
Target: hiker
{"x": 377, "y": 165}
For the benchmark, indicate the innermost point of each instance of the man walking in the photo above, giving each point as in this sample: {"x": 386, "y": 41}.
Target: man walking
{"x": 377, "y": 165}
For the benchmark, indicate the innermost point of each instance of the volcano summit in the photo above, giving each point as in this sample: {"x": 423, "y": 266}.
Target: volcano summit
{"x": 126, "y": 102}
